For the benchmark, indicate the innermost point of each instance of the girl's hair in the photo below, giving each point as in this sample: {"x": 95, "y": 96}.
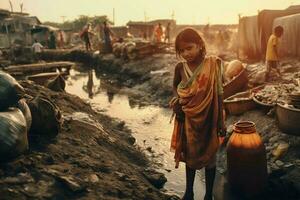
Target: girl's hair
{"x": 190, "y": 35}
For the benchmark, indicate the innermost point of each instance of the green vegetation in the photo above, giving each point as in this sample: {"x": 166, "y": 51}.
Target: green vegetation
{"x": 78, "y": 23}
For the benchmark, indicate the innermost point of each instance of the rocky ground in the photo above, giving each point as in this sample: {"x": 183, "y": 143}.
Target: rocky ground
{"x": 93, "y": 157}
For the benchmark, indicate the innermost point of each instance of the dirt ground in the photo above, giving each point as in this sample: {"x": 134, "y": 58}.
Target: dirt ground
{"x": 149, "y": 81}
{"x": 93, "y": 157}
{"x": 92, "y": 148}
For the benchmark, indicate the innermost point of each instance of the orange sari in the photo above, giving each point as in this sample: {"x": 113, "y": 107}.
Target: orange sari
{"x": 195, "y": 140}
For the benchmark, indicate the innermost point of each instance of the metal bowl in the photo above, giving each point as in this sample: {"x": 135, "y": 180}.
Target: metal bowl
{"x": 288, "y": 119}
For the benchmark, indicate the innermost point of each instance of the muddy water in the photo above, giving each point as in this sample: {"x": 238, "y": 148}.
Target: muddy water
{"x": 149, "y": 124}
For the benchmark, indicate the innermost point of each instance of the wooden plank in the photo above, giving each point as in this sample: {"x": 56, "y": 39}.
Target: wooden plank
{"x": 43, "y": 77}
{"x": 43, "y": 67}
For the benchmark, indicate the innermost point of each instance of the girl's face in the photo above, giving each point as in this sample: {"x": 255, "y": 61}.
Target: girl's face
{"x": 189, "y": 51}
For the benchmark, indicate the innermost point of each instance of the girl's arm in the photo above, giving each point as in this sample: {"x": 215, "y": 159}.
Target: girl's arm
{"x": 177, "y": 108}
{"x": 177, "y": 78}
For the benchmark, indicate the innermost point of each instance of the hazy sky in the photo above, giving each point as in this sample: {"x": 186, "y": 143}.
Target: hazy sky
{"x": 185, "y": 11}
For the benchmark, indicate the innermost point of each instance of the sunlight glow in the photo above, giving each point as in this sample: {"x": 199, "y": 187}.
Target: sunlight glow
{"x": 185, "y": 12}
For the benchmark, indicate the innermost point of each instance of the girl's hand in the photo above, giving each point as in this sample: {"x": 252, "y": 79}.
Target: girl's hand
{"x": 177, "y": 108}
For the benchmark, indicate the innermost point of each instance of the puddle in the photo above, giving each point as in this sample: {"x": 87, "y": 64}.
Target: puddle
{"x": 149, "y": 124}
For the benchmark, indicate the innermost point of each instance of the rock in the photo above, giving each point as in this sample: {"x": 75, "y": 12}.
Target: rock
{"x": 273, "y": 139}
{"x": 104, "y": 168}
{"x": 281, "y": 149}
{"x": 121, "y": 176}
{"x": 131, "y": 139}
{"x": 274, "y": 166}
{"x": 94, "y": 178}
{"x": 71, "y": 184}
{"x": 149, "y": 149}
{"x": 297, "y": 162}
{"x": 168, "y": 170}
{"x": 121, "y": 125}
{"x": 269, "y": 148}
{"x": 279, "y": 163}
{"x": 157, "y": 179}
{"x": 20, "y": 179}
{"x": 289, "y": 165}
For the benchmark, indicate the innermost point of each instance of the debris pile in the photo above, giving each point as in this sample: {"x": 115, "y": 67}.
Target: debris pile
{"x": 275, "y": 93}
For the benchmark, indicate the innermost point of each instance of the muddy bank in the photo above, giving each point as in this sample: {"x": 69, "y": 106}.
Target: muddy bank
{"x": 149, "y": 80}
{"x": 93, "y": 157}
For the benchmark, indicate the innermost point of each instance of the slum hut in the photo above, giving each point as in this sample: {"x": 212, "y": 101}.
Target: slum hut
{"x": 15, "y": 29}
{"x": 265, "y": 23}
{"x": 164, "y": 23}
{"x": 120, "y": 31}
{"x": 42, "y": 33}
{"x": 290, "y": 41}
{"x": 248, "y": 38}
{"x": 139, "y": 29}
{"x": 4, "y": 14}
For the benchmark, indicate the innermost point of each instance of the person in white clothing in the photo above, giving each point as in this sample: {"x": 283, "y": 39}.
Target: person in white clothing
{"x": 37, "y": 47}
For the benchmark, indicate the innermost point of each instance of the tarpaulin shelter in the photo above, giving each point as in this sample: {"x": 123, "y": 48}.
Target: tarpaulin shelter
{"x": 248, "y": 38}
{"x": 265, "y": 23}
{"x": 290, "y": 40}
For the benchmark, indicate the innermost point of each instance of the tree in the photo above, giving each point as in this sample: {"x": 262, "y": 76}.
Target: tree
{"x": 79, "y": 22}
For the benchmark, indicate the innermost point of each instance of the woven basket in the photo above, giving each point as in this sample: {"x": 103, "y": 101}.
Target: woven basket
{"x": 237, "y": 84}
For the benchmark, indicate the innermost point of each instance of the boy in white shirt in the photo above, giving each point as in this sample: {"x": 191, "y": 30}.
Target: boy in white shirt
{"x": 37, "y": 47}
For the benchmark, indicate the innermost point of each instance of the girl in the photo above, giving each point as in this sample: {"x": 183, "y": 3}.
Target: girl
{"x": 198, "y": 107}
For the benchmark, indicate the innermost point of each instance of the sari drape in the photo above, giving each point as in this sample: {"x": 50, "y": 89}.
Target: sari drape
{"x": 195, "y": 140}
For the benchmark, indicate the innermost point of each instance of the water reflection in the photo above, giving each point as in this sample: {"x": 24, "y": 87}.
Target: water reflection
{"x": 90, "y": 84}
{"x": 149, "y": 124}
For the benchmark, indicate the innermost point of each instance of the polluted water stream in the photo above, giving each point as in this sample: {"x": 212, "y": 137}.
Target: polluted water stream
{"x": 150, "y": 125}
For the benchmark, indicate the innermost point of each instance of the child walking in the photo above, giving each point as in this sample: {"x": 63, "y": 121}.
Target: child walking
{"x": 197, "y": 104}
{"x": 272, "y": 58}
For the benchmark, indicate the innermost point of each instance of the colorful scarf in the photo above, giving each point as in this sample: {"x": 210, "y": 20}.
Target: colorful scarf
{"x": 195, "y": 140}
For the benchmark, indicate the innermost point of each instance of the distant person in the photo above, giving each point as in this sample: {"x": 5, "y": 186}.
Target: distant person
{"x": 145, "y": 35}
{"x": 272, "y": 58}
{"x": 158, "y": 33}
{"x": 108, "y": 34}
{"x": 85, "y": 36}
{"x": 198, "y": 106}
{"x": 206, "y": 32}
{"x": 36, "y": 48}
{"x": 61, "y": 39}
{"x": 168, "y": 32}
{"x": 52, "y": 41}
{"x": 220, "y": 42}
